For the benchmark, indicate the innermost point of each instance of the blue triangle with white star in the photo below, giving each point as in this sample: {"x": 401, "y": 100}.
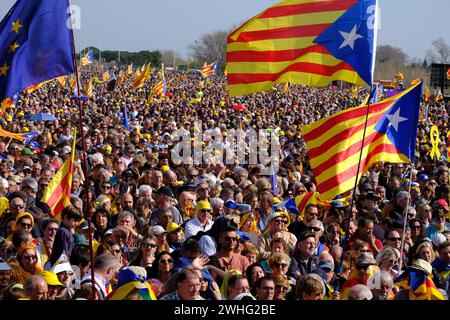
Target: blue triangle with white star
{"x": 401, "y": 120}
{"x": 352, "y": 38}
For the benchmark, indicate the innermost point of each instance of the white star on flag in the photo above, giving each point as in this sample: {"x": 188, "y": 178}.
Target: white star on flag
{"x": 395, "y": 119}
{"x": 350, "y": 38}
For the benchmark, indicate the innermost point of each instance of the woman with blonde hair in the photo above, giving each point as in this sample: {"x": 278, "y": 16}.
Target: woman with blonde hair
{"x": 388, "y": 260}
{"x": 25, "y": 265}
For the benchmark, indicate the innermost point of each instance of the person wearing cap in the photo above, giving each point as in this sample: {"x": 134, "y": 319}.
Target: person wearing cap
{"x": 164, "y": 200}
{"x": 365, "y": 267}
{"x": 54, "y": 285}
{"x": 5, "y": 276}
{"x": 175, "y": 236}
{"x": 423, "y": 287}
{"x": 277, "y": 224}
{"x": 65, "y": 274}
{"x": 231, "y": 207}
{"x": 438, "y": 223}
{"x": 304, "y": 259}
{"x": 83, "y": 229}
{"x": 132, "y": 281}
{"x": 202, "y": 221}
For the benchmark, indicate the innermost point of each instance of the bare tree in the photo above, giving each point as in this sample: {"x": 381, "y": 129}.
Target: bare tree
{"x": 211, "y": 47}
{"x": 442, "y": 50}
{"x": 170, "y": 57}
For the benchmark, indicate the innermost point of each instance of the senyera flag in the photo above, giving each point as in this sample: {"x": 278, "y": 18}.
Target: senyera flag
{"x": 57, "y": 194}
{"x": 303, "y": 42}
{"x": 334, "y": 143}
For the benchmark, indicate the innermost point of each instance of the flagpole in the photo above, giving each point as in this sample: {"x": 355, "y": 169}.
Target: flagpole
{"x": 347, "y": 224}
{"x": 85, "y": 166}
{"x": 405, "y": 212}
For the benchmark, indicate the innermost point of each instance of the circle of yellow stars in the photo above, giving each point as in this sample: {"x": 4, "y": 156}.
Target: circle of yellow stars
{"x": 12, "y": 48}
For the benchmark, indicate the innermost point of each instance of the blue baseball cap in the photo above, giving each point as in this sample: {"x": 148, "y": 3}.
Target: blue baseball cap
{"x": 423, "y": 177}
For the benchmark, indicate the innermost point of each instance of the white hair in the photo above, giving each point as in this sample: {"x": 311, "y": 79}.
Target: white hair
{"x": 215, "y": 202}
{"x": 97, "y": 157}
{"x": 4, "y": 182}
{"x": 362, "y": 292}
{"x": 144, "y": 188}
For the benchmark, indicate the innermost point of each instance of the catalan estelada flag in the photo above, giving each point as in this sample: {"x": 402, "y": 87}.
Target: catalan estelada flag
{"x": 129, "y": 281}
{"x": 208, "y": 70}
{"x": 334, "y": 143}
{"x": 419, "y": 284}
{"x": 57, "y": 193}
{"x": 303, "y": 42}
{"x": 88, "y": 58}
{"x": 300, "y": 202}
{"x": 89, "y": 89}
{"x": 35, "y": 44}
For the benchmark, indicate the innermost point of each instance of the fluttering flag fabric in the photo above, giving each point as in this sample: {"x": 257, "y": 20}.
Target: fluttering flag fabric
{"x": 438, "y": 95}
{"x": 300, "y": 202}
{"x": 209, "y": 70}
{"x": 143, "y": 76}
{"x": 57, "y": 193}
{"x": 160, "y": 88}
{"x": 125, "y": 119}
{"x": 62, "y": 81}
{"x": 106, "y": 76}
{"x": 88, "y": 58}
{"x": 334, "y": 143}
{"x": 89, "y": 89}
{"x": 35, "y": 44}
{"x": 128, "y": 282}
{"x": 419, "y": 284}
{"x": 36, "y": 86}
{"x": 8, "y": 103}
{"x": 303, "y": 42}
{"x": 130, "y": 69}
{"x": 18, "y": 136}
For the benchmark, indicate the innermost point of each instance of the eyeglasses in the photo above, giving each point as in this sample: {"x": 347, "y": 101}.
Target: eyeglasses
{"x": 203, "y": 189}
{"x": 394, "y": 262}
{"x": 26, "y": 225}
{"x": 363, "y": 267}
{"x": 52, "y": 229}
{"x": 166, "y": 261}
{"x": 107, "y": 187}
{"x": 206, "y": 210}
{"x": 30, "y": 257}
{"x": 279, "y": 265}
{"x": 17, "y": 206}
{"x": 230, "y": 238}
{"x": 117, "y": 251}
{"x": 280, "y": 221}
{"x": 315, "y": 229}
{"x": 149, "y": 245}
{"x": 364, "y": 250}
{"x": 416, "y": 227}
{"x": 395, "y": 239}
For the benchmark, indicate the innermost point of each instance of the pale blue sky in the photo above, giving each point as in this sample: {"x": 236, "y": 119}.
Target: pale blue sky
{"x": 136, "y": 25}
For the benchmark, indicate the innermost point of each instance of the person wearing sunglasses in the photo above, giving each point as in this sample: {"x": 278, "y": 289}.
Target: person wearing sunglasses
{"x": 277, "y": 223}
{"x": 365, "y": 267}
{"x": 388, "y": 260}
{"x": 202, "y": 221}
{"x": 227, "y": 257}
{"x": 146, "y": 255}
{"x": 162, "y": 269}
{"x": 27, "y": 265}
{"x": 316, "y": 227}
{"x": 24, "y": 221}
{"x": 279, "y": 264}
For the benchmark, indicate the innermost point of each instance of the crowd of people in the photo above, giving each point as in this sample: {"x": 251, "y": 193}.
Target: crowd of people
{"x": 210, "y": 230}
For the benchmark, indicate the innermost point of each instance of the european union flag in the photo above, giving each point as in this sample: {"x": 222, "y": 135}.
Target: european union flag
{"x": 35, "y": 44}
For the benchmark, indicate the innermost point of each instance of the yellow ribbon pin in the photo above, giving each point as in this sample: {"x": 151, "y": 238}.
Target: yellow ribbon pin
{"x": 434, "y": 138}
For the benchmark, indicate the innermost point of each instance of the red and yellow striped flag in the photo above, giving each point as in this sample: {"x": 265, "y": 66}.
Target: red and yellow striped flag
{"x": 57, "y": 193}
{"x": 89, "y": 89}
{"x": 334, "y": 143}
{"x": 309, "y": 42}
{"x": 311, "y": 197}
{"x": 106, "y": 76}
{"x": 62, "y": 80}
{"x": 143, "y": 76}
{"x": 160, "y": 89}
{"x": 36, "y": 86}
